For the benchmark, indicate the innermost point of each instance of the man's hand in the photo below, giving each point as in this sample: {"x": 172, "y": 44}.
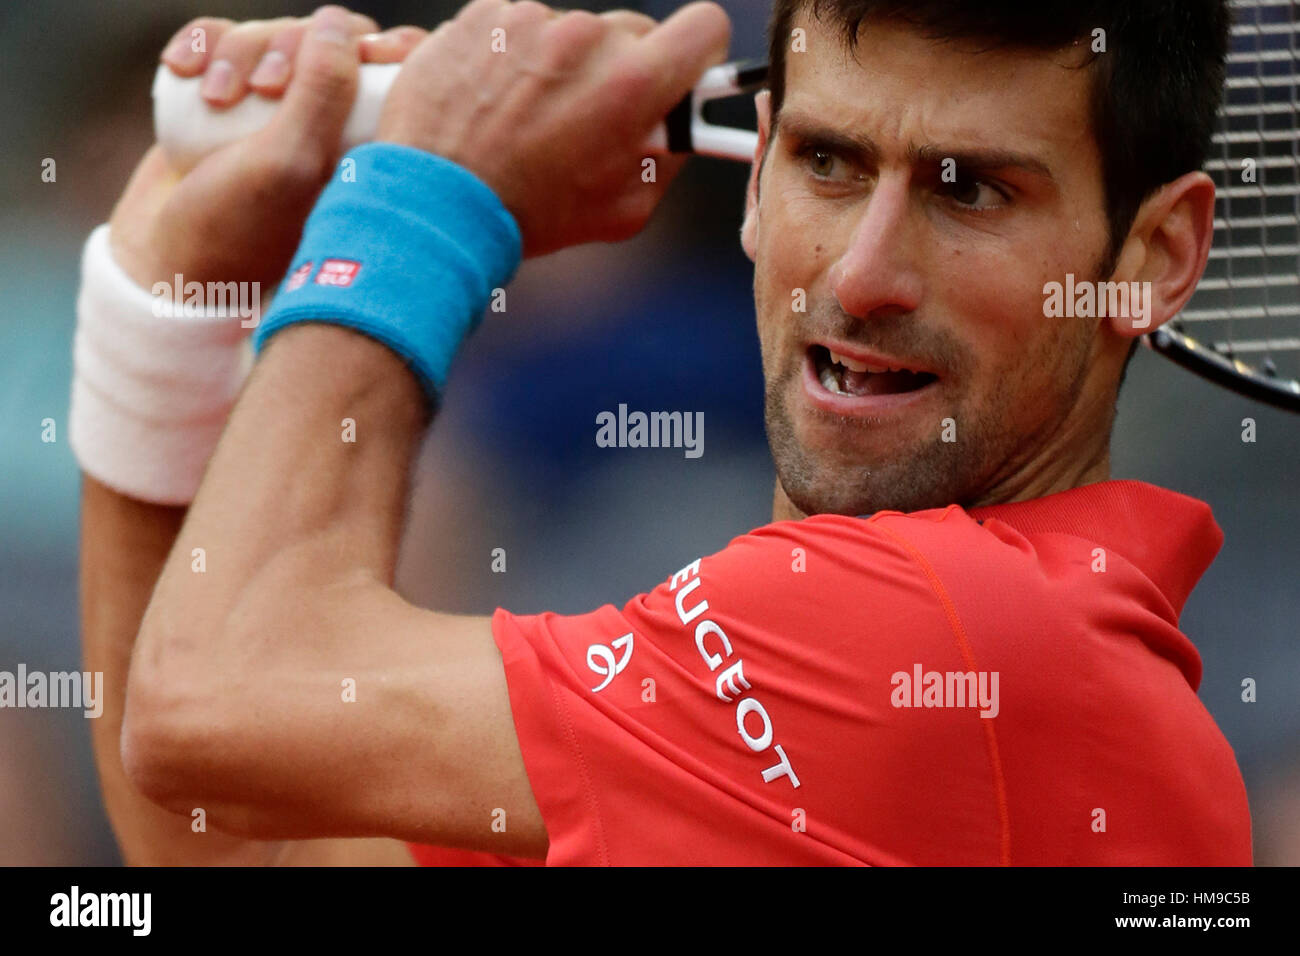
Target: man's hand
{"x": 238, "y": 215}
{"x": 552, "y": 109}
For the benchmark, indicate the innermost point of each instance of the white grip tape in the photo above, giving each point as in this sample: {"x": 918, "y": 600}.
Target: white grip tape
{"x": 188, "y": 128}
{"x": 150, "y": 393}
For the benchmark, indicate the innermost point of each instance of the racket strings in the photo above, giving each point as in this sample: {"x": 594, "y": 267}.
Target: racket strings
{"x": 1247, "y": 306}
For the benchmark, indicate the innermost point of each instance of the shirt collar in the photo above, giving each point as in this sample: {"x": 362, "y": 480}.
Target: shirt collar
{"x": 1170, "y": 537}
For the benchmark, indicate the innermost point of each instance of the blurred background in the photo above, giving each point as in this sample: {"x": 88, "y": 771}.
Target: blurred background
{"x": 661, "y": 322}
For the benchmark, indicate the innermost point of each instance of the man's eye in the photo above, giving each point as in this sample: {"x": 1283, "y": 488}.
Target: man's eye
{"x": 820, "y": 162}
{"x": 974, "y": 193}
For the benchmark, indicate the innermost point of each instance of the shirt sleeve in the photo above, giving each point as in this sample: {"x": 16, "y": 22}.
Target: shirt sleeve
{"x": 739, "y": 713}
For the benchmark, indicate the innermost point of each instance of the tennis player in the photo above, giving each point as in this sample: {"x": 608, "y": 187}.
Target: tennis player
{"x": 957, "y": 641}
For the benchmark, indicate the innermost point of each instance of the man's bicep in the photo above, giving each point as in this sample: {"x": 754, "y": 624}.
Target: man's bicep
{"x": 455, "y": 775}
{"x": 397, "y": 725}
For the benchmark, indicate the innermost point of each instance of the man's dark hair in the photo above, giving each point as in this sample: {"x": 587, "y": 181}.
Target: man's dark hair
{"x": 1156, "y": 88}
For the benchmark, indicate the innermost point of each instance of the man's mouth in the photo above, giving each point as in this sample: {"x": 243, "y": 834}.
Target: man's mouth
{"x": 844, "y": 375}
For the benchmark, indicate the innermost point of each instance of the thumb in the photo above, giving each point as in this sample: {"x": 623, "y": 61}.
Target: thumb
{"x": 309, "y": 123}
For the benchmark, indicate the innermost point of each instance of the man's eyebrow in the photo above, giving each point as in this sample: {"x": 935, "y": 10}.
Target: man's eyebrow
{"x": 982, "y": 159}
{"x": 805, "y": 127}
{"x": 802, "y": 126}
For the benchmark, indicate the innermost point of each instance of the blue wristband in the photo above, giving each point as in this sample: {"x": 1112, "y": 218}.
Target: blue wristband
{"x": 407, "y": 251}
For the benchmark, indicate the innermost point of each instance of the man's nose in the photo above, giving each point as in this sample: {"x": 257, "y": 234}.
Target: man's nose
{"x": 878, "y": 272}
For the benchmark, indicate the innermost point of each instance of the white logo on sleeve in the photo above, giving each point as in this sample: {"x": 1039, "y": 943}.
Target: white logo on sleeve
{"x": 601, "y": 659}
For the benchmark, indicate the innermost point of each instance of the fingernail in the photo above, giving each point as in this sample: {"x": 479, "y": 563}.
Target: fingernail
{"x": 272, "y": 70}
{"x": 331, "y": 25}
{"x": 219, "y": 81}
{"x": 181, "y": 53}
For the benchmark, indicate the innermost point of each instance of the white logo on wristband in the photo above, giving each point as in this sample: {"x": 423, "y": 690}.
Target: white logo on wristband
{"x": 337, "y": 272}
{"x": 298, "y": 278}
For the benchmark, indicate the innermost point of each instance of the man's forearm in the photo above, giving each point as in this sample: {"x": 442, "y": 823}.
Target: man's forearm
{"x": 304, "y": 499}
{"x": 124, "y": 543}
{"x": 314, "y": 462}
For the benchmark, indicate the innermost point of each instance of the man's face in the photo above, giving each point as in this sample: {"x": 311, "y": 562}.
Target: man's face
{"x": 864, "y": 248}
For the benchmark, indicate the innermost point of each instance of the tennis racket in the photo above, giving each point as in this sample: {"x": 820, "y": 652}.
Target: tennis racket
{"x": 1241, "y": 328}
{"x": 188, "y": 128}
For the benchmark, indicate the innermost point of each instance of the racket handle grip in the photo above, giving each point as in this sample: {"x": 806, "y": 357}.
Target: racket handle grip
{"x": 188, "y": 128}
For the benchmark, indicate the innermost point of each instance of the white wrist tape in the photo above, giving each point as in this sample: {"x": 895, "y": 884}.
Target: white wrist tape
{"x": 150, "y": 393}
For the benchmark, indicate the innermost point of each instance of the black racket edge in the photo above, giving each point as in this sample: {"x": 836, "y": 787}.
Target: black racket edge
{"x": 1241, "y": 378}
{"x": 751, "y": 75}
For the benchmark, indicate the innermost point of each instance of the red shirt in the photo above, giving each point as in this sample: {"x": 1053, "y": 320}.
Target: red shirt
{"x": 1005, "y": 685}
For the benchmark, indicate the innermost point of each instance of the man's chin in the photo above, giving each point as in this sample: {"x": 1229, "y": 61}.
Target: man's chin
{"x": 925, "y": 479}
{"x": 856, "y": 469}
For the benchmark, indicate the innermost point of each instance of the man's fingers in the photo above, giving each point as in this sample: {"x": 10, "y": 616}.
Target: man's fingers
{"x": 391, "y": 46}
{"x": 481, "y": 15}
{"x": 271, "y": 75}
{"x": 681, "y": 48}
{"x": 236, "y": 54}
{"x": 309, "y": 124}
{"x": 275, "y": 68}
{"x": 187, "y": 53}
{"x": 629, "y": 21}
{"x": 362, "y": 24}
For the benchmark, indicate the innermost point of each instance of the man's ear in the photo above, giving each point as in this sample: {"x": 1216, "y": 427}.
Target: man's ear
{"x": 1167, "y": 246}
{"x": 749, "y": 229}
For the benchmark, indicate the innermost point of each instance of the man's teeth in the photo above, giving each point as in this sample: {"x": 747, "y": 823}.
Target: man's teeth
{"x": 850, "y": 364}
{"x": 855, "y": 366}
{"x": 830, "y": 381}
